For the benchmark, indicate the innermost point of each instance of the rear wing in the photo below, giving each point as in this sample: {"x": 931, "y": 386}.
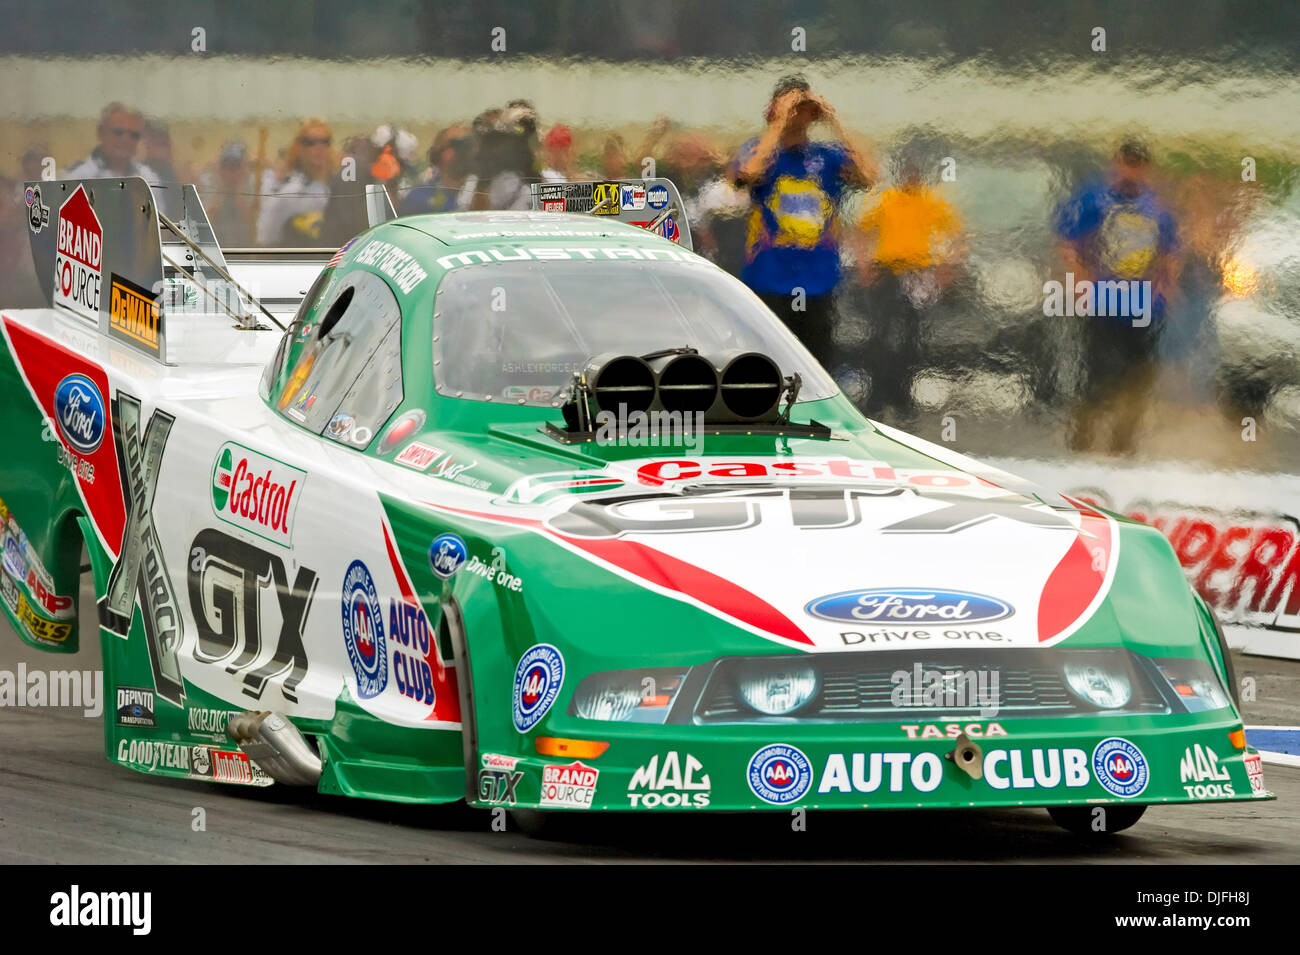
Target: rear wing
{"x": 104, "y": 251}
{"x": 653, "y": 204}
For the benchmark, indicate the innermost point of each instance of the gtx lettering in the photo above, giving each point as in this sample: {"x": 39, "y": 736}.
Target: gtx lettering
{"x": 226, "y": 580}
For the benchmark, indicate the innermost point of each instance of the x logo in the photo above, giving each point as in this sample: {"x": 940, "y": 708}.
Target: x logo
{"x": 139, "y": 570}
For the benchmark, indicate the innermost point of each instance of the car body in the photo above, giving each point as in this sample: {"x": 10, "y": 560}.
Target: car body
{"x": 382, "y": 529}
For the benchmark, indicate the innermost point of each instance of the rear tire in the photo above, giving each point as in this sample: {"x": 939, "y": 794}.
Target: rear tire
{"x": 1082, "y": 822}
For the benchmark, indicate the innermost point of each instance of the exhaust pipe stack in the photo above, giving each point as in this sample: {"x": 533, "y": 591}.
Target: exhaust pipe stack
{"x": 275, "y": 744}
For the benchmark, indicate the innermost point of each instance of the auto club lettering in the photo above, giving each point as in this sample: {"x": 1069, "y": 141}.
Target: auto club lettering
{"x": 226, "y": 580}
{"x": 140, "y": 570}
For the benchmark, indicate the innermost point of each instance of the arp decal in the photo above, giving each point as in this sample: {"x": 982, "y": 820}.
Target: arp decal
{"x": 226, "y": 580}
{"x": 140, "y": 569}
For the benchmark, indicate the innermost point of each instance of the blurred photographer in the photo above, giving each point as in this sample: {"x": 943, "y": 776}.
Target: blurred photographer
{"x": 506, "y": 161}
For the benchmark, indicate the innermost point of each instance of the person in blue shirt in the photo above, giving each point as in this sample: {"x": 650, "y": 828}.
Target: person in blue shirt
{"x": 796, "y": 187}
{"x": 1118, "y": 230}
{"x": 450, "y": 159}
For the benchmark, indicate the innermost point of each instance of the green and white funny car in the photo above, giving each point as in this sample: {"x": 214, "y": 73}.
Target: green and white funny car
{"x": 545, "y": 511}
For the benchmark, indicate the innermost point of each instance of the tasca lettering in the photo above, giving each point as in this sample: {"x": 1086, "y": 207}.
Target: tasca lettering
{"x": 226, "y": 578}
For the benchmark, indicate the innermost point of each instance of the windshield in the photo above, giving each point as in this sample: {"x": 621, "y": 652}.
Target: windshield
{"x": 518, "y": 331}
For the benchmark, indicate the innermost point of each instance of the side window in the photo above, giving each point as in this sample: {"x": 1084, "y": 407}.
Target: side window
{"x": 347, "y": 368}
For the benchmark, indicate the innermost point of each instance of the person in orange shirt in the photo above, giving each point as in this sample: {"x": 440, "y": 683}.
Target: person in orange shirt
{"x": 910, "y": 249}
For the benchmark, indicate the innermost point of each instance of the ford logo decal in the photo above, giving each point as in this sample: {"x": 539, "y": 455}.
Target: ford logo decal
{"x": 79, "y": 413}
{"x": 446, "y": 554}
{"x": 918, "y": 605}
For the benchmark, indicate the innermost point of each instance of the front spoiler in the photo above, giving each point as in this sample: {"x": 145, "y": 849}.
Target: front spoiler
{"x": 800, "y": 767}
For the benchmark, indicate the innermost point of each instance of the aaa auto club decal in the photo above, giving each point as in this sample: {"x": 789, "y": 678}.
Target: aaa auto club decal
{"x": 538, "y": 679}
{"x": 363, "y": 631}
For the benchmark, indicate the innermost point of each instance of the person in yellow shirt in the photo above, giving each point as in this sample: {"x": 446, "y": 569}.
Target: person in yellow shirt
{"x": 911, "y": 247}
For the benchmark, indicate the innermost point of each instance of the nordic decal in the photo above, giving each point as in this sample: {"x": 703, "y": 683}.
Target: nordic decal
{"x": 71, "y": 392}
{"x": 140, "y": 569}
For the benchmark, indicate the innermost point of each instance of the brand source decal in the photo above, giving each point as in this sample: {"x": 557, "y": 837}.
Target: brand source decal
{"x": 572, "y": 786}
{"x": 538, "y": 679}
{"x": 79, "y": 413}
{"x": 363, "y": 631}
{"x": 917, "y": 605}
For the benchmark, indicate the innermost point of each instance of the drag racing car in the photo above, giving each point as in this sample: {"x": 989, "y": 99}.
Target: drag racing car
{"x": 543, "y": 511}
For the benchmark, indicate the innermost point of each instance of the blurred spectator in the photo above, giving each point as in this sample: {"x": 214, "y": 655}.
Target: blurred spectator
{"x": 394, "y": 164}
{"x": 120, "y": 129}
{"x": 715, "y": 209}
{"x": 614, "y": 163}
{"x": 1116, "y": 229}
{"x": 294, "y": 214}
{"x": 158, "y": 151}
{"x": 909, "y": 251}
{"x": 557, "y": 154}
{"x": 796, "y": 187}
{"x": 506, "y": 160}
{"x": 451, "y": 158}
{"x": 33, "y": 162}
{"x": 227, "y": 193}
